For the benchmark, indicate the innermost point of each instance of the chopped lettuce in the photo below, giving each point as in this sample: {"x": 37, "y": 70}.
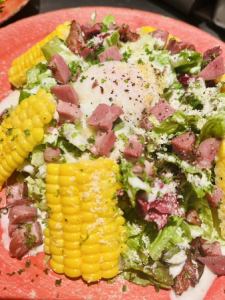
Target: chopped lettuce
{"x": 187, "y": 61}
{"x": 168, "y": 237}
{"x": 75, "y": 135}
{"x": 36, "y": 188}
{"x": 107, "y": 21}
{"x": 37, "y": 158}
{"x": 199, "y": 179}
{"x": 214, "y": 127}
{"x": 131, "y": 183}
{"x": 137, "y": 264}
{"x": 177, "y": 123}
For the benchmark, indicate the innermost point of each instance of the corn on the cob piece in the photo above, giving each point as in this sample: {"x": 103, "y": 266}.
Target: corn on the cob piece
{"x": 220, "y": 181}
{"x": 22, "y": 130}
{"x": 33, "y": 56}
{"x": 85, "y": 229}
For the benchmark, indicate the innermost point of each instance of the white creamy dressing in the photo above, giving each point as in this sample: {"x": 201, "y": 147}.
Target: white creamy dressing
{"x": 200, "y": 290}
{"x": 4, "y": 222}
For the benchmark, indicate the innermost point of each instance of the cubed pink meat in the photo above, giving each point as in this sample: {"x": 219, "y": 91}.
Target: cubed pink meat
{"x": 206, "y": 152}
{"x": 214, "y": 69}
{"x": 16, "y": 194}
{"x": 68, "y": 112}
{"x": 60, "y": 70}
{"x": 211, "y": 249}
{"x": 216, "y": 196}
{"x": 25, "y": 238}
{"x": 21, "y": 214}
{"x": 104, "y": 143}
{"x": 215, "y": 263}
{"x": 111, "y": 53}
{"x": 51, "y": 154}
{"x": 162, "y": 110}
{"x": 104, "y": 116}
{"x": 161, "y": 34}
{"x": 133, "y": 149}
{"x": 175, "y": 46}
{"x": 183, "y": 144}
{"x": 65, "y": 93}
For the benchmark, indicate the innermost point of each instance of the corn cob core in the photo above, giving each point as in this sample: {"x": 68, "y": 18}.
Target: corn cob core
{"x": 33, "y": 56}
{"x": 85, "y": 228}
{"x": 23, "y": 130}
{"x": 220, "y": 181}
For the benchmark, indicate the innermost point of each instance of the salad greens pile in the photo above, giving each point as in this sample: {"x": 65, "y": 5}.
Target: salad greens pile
{"x": 152, "y": 252}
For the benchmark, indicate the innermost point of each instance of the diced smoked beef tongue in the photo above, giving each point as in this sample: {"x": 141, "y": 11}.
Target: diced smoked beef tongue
{"x": 192, "y": 217}
{"x": 90, "y": 30}
{"x": 215, "y": 263}
{"x": 158, "y": 218}
{"x": 167, "y": 204}
{"x": 159, "y": 210}
{"x": 104, "y": 143}
{"x": 20, "y": 244}
{"x": 21, "y": 214}
{"x": 177, "y": 46}
{"x": 162, "y": 110}
{"x": 183, "y": 144}
{"x": 216, "y": 196}
{"x": 60, "y": 70}
{"x": 145, "y": 123}
{"x": 65, "y": 93}
{"x": 86, "y": 51}
{"x": 133, "y": 149}
{"x": 111, "y": 53}
{"x": 210, "y": 54}
{"x": 75, "y": 40}
{"x": 68, "y": 112}
{"x": 161, "y": 34}
{"x": 37, "y": 232}
{"x": 51, "y": 154}
{"x": 16, "y": 194}
{"x": 12, "y": 228}
{"x": 214, "y": 69}
{"x": 206, "y": 152}
{"x": 126, "y": 35}
{"x": 184, "y": 79}
{"x": 104, "y": 115}
{"x": 189, "y": 276}
{"x": 210, "y": 249}
{"x": 148, "y": 168}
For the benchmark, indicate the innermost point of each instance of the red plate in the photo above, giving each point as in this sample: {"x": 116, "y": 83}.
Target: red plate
{"x": 10, "y": 8}
{"x": 33, "y": 283}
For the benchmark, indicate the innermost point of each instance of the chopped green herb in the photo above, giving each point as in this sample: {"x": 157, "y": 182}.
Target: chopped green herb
{"x": 27, "y": 264}
{"x": 27, "y": 132}
{"x": 20, "y": 271}
{"x": 124, "y": 288}
{"x": 9, "y": 131}
{"x": 58, "y": 282}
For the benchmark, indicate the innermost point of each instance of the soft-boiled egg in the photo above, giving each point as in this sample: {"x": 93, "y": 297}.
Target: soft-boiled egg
{"x": 131, "y": 86}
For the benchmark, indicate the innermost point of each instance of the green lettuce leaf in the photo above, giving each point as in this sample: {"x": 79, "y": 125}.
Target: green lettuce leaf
{"x": 214, "y": 127}
{"x": 177, "y": 123}
{"x": 187, "y": 61}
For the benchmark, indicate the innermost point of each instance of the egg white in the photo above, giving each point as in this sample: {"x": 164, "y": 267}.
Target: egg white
{"x": 131, "y": 86}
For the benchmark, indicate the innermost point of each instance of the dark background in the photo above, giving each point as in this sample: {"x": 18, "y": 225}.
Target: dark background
{"x": 157, "y": 6}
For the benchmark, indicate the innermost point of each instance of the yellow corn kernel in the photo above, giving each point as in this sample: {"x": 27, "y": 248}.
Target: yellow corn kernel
{"x": 33, "y": 56}
{"x": 17, "y": 140}
{"x": 71, "y": 272}
{"x": 87, "y": 217}
{"x": 220, "y": 181}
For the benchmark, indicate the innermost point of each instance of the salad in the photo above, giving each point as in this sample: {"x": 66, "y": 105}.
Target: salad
{"x": 114, "y": 156}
